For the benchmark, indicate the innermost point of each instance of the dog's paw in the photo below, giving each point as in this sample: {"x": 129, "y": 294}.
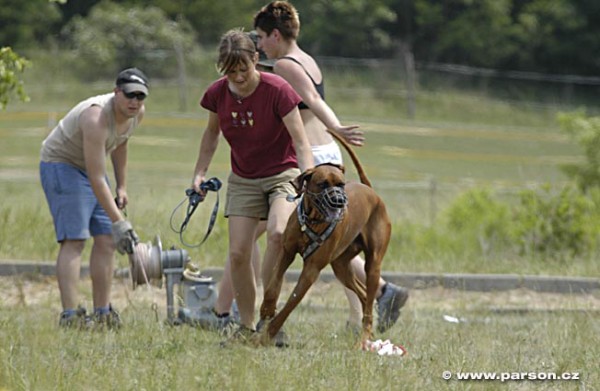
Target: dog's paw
{"x": 280, "y": 339}
{"x": 256, "y": 340}
{"x": 264, "y": 339}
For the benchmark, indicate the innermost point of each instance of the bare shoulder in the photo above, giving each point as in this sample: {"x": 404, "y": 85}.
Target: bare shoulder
{"x": 285, "y": 65}
{"x": 92, "y": 120}
{"x": 309, "y": 63}
{"x": 299, "y": 65}
{"x": 90, "y": 115}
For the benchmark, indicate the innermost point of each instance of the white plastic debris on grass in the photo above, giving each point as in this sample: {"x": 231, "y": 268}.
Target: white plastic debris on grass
{"x": 453, "y": 319}
{"x": 384, "y": 348}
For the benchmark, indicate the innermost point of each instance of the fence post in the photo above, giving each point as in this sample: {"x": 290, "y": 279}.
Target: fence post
{"x": 179, "y": 55}
{"x": 409, "y": 67}
{"x": 432, "y": 203}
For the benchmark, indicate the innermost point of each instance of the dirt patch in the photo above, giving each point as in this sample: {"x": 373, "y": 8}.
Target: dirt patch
{"x": 39, "y": 290}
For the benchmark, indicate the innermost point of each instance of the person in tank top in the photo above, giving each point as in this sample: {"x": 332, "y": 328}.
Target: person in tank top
{"x": 278, "y": 25}
{"x": 75, "y": 182}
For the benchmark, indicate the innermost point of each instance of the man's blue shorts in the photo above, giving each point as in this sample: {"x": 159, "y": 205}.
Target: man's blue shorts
{"x": 76, "y": 212}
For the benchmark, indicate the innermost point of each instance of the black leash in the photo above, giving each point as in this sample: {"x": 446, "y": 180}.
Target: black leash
{"x": 194, "y": 199}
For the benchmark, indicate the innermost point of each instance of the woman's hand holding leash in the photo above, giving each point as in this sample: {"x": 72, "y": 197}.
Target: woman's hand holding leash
{"x": 195, "y": 195}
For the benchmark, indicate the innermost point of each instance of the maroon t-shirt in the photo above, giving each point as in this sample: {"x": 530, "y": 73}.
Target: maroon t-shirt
{"x": 253, "y": 126}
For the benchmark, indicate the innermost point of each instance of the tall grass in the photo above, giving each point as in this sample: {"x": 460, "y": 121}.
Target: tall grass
{"x": 493, "y": 335}
{"x": 419, "y": 166}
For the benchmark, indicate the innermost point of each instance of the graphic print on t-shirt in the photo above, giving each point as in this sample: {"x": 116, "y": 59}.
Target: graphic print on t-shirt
{"x": 242, "y": 119}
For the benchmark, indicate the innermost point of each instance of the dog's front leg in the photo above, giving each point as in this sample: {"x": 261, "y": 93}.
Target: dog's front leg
{"x": 308, "y": 276}
{"x": 273, "y": 287}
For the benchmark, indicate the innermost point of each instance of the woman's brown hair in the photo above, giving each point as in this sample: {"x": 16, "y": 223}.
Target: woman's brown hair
{"x": 236, "y": 47}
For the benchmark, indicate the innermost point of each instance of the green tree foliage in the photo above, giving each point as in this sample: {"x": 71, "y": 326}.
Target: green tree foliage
{"x": 558, "y": 36}
{"x": 536, "y": 35}
{"x": 11, "y": 67}
{"x": 466, "y": 32}
{"x": 585, "y": 131}
{"x": 27, "y": 23}
{"x": 552, "y": 36}
{"x": 75, "y": 7}
{"x": 542, "y": 223}
{"x": 347, "y": 28}
{"x": 209, "y": 18}
{"x": 480, "y": 219}
{"x": 113, "y": 37}
{"x": 555, "y": 225}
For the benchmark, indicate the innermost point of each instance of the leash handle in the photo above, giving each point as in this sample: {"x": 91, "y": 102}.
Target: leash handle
{"x": 213, "y": 184}
{"x": 124, "y": 208}
{"x": 194, "y": 199}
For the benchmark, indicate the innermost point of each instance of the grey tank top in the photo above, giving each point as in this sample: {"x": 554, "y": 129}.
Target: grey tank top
{"x": 65, "y": 143}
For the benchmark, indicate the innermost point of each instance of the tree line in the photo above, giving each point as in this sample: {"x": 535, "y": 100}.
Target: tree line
{"x": 552, "y": 36}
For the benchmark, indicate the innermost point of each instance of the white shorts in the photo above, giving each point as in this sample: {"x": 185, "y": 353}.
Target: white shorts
{"x": 327, "y": 153}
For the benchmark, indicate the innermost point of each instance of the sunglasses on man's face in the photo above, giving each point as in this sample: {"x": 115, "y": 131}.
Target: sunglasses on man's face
{"x": 137, "y": 95}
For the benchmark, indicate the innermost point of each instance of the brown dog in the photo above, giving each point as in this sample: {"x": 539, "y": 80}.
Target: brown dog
{"x": 334, "y": 222}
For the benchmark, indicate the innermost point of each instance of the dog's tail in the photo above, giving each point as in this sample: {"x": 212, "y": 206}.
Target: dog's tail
{"x": 361, "y": 173}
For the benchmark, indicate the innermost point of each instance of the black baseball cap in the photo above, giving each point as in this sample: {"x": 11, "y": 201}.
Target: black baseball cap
{"x": 133, "y": 80}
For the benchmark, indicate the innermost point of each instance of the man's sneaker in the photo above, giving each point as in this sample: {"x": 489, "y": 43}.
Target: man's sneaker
{"x": 392, "y": 298}
{"x": 110, "y": 320}
{"x": 281, "y": 339}
{"x": 78, "y": 320}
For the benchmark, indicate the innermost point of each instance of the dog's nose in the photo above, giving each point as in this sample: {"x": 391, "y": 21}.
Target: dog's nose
{"x": 337, "y": 197}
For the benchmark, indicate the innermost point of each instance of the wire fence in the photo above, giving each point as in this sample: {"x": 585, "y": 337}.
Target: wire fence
{"x": 399, "y": 78}
{"x": 367, "y": 87}
{"x": 537, "y": 91}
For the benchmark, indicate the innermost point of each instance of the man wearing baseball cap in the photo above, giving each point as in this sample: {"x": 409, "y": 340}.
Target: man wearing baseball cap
{"x": 132, "y": 80}
{"x": 75, "y": 181}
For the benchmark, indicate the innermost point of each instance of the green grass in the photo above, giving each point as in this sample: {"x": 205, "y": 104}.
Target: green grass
{"x": 418, "y": 166}
{"x": 560, "y": 334}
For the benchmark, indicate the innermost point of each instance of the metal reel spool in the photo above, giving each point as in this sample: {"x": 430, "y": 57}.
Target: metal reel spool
{"x": 144, "y": 263}
{"x": 149, "y": 262}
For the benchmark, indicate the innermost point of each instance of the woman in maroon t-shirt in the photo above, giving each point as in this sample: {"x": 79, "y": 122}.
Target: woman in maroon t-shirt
{"x": 277, "y": 27}
{"x": 258, "y": 116}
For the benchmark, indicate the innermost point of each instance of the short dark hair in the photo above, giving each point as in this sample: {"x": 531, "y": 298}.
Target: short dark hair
{"x": 279, "y": 15}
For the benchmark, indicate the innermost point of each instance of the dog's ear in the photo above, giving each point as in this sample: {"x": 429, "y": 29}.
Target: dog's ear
{"x": 342, "y": 168}
{"x": 299, "y": 181}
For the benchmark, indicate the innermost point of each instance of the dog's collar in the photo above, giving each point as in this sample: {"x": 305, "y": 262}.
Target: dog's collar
{"x": 316, "y": 240}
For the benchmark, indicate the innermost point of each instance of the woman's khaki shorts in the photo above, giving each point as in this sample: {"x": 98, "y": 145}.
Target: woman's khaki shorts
{"x": 252, "y": 197}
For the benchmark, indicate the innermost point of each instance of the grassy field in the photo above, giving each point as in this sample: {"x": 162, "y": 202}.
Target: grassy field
{"x": 456, "y": 142}
{"x": 505, "y": 333}
{"x": 418, "y": 168}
